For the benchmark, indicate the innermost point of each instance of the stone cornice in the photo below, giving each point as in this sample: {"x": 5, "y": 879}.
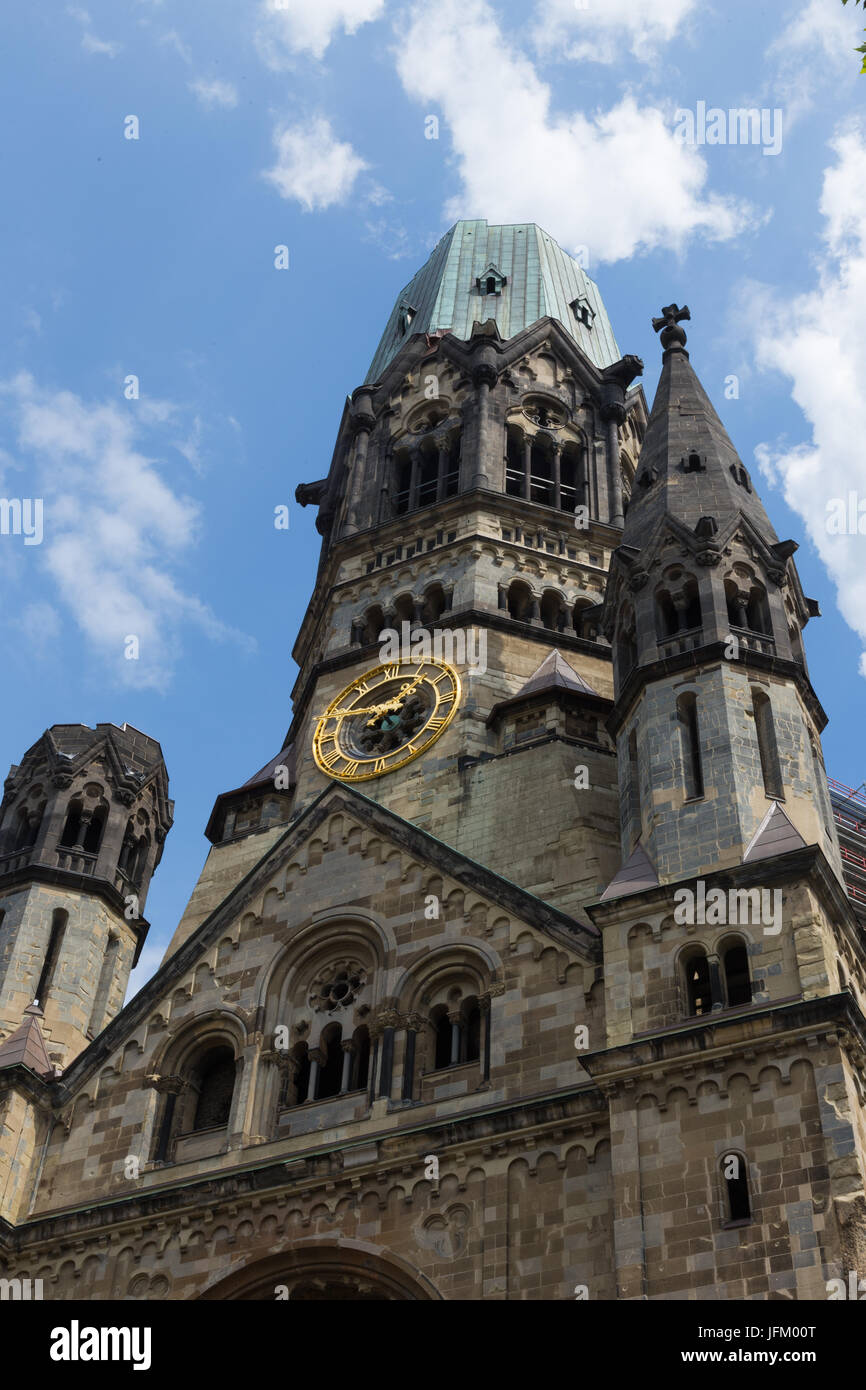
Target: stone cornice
{"x": 517, "y": 1122}
{"x": 641, "y": 676}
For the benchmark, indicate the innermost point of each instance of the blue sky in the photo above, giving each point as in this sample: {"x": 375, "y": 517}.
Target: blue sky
{"x": 305, "y": 124}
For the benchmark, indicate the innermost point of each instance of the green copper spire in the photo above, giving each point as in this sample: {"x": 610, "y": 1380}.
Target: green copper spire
{"x": 515, "y": 274}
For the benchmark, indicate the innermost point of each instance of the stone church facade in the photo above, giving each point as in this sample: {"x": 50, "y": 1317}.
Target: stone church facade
{"x": 526, "y": 968}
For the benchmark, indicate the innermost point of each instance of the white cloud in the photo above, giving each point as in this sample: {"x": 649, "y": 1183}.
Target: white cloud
{"x": 818, "y": 340}
{"x": 215, "y": 93}
{"x": 604, "y": 29}
{"x": 312, "y": 166}
{"x": 308, "y": 26}
{"x": 89, "y": 42}
{"x": 114, "y": 530}
{"x": 815, "y": 46}
{"x": 616, "y": 181}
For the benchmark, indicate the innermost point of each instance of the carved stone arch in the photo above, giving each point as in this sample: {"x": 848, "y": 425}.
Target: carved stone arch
{"x": 342, "y": 1269}
{"x": 339, "y": 931}
{"x": 475, "y": 961}
{"x": 215, "y": 1024}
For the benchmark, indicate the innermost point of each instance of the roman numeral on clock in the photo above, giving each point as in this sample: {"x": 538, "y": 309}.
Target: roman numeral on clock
{"x": 331, "y": 757}
{"x": 350, "y": 769}
{"x": 379, "y": 765}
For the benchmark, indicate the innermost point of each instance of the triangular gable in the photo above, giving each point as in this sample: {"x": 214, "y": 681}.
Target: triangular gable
{"x": 775, "y": 835}
{"x": 636, "y": 874}
{"x": 26, "y": 1046}
{"x": 340, "y": 798}
{"x": 555, "y": 673}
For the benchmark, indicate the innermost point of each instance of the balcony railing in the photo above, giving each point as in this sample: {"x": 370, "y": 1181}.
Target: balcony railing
{"x": 754, "y": 641}
{"x": 77, "y": 861}
{"x": 685, "y": 641}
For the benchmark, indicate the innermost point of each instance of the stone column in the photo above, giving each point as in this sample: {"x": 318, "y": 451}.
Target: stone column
{"x": 317, "y": 1061}
{"x": 527, "y": 467}
{"x": 387, "y": 1023}
{"x": 454, "y": 1018}
{"x": 614, "y": 416}
{"x": 414, "y": 479}
{"x": 348, "y": 1054}
{"x": 557, "y": 474}
{"x": 414, "y": 1024}
{"x": 362, "y": 423}
{"x": 484, "y": 1006}
{"x": 441, "y": 469}
{"x": 483, "y": 377}
{"x": 717, "y": 994}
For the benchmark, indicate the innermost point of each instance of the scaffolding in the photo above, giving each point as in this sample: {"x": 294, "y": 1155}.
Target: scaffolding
{"x": 849, "y": 813}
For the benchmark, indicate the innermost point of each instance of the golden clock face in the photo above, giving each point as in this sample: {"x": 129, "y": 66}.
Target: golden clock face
{"x": 385, "y": 718}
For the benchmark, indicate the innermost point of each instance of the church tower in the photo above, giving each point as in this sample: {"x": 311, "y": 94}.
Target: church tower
{"x": 83, "y": 820}
{"x": 475, "y": 495}
{"x": 524, "y": 969}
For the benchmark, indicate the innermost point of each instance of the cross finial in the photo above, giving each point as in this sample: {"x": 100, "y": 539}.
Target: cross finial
{"x": 671, "y": 333}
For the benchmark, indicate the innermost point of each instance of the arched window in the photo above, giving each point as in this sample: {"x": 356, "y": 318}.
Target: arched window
{"x": 470, "y": 1030}
{"x": 553, "y": 611}
{"x": 360, "y": 1059}
{"x": 541, "y": 471}
{"x": 519, "y": 601}
{"x": 297, "y": 1078}
{"x": 735, "y": 970}
{"x": 106, "y": 977}
{"x": 59, "y": 918}
{"x": 771, "y": 770}
{"x": 579, "y": 619}
{"x": 736, "y": 1185}
{"x": 443, "y": 1035}
{"x": 401, "y": 484}
{"x": 428, "y": 472}
{"x": 696, "y": 970}
{"x": 72, "y": 825}
{"x": 571, "y": 484}
{"x": 331, "y": 1069}
{"x": 633, "y": 803}
{"x": 93, "y": 833}
{"x": 796, "y": 639}
{"x": 514, "y": 469}
{"x": 452, "y": 466}
{"x": 434, "y": 603}
{"x": 374, "y": 622}
{"x": 404, "y": 607}
{"x": 667, "y": 618}
{"x": 690, "y": 746}
{"x": 758, "y": 611}
{"x": 214, "y": 1080}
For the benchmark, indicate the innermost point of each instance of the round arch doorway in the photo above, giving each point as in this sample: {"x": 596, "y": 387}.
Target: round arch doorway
{"x": 347, "y": 1271}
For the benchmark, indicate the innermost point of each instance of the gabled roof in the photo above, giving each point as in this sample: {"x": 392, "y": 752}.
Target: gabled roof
{"x": 555, "y": 673}
{"x": 26, "y": 1046}
{"x": 264, "y": 777}
{"x": 636, "y": 874}
{"x": 553, "y": 677}
{"x": 775, "y": 835}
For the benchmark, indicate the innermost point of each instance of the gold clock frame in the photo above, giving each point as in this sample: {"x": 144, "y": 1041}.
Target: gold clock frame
{"x": 405, "y": 753}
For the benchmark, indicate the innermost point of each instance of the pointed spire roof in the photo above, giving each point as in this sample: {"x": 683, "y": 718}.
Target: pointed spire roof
{"x": 775, "y": 835}
{"x": 636, "y": 874}
{"x": 555, "y": 673}
{"x": 26, "y": 1046}
{"x": 688, "y": 467}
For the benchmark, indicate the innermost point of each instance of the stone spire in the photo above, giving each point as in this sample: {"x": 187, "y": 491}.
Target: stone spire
{"x": 689, "y": 469}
